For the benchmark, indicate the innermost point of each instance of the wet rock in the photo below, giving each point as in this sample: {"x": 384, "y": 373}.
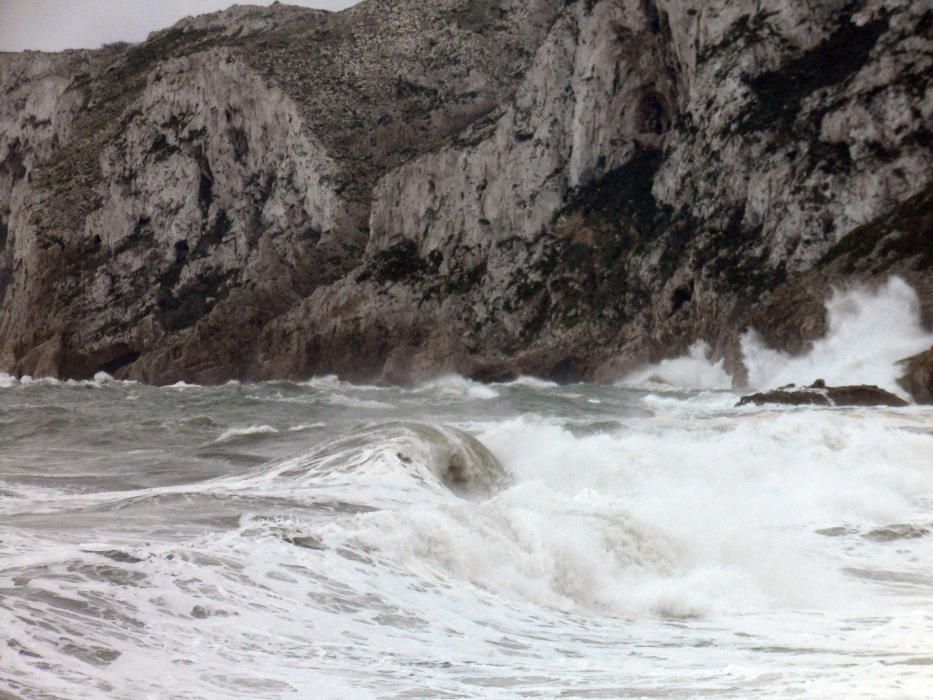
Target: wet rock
{"x": 119, "y": 556}
{"x": 863, "y": 395}
{"x": 306, "y": 542}
{"x": 917, "y": 379}
{"x": 819, "y": 394}
{"x": 838, "y": 531}
{"x": 783, "y": 397}
{"x": 899, "y": 531}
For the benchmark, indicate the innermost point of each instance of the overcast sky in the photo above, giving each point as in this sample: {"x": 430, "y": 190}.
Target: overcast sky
{"x": 53, "y": 25}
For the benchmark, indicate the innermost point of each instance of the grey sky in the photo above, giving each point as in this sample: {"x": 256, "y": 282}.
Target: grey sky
{"x": 53, "y": 25}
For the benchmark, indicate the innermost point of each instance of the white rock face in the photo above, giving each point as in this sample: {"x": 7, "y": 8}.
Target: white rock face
{"x": 207, "y": 109}
{"x": 582, "y": 109}
{"x": 213, "y": 168}
{"x": 549, "y": 187}
{"x": 581, "y": 112}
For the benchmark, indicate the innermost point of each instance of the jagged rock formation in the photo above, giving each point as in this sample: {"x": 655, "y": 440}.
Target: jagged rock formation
{"x": 489, "y": 187}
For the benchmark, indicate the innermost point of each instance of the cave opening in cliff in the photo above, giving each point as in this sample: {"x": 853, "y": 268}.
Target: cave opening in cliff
{"x": 653, "y": 115}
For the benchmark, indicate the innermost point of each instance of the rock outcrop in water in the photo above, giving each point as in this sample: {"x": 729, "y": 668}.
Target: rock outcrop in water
{"x": 818, "y": 394}
{"x": 918, "y": 376}
{"x": 552, "y": 187}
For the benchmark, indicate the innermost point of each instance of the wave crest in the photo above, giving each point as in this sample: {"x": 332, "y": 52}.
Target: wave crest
{"x": 426, "y": 452}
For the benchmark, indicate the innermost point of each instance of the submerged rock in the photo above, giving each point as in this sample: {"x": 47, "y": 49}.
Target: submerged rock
{"x": 818, "y": 394}
{"x": 918, "y": 376}
{"x": 899, "y": 531}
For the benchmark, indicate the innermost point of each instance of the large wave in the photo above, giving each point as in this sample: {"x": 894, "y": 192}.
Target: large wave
{"x": 675, "y": 518}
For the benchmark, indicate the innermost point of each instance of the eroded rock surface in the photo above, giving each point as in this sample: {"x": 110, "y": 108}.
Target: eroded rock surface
{"x": 404, "y": 188}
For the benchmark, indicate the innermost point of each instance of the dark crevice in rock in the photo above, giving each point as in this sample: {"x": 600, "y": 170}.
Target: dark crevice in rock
{"x": 568, "y": 371}
{"x": 398, "y": 262}
{"x": 205, "y": 182}
{"x": 123, "y": 360}
{"x": 652, "y": 17}
{"x": 214, "y": 235}
{"x": 240, "y": 143}
{"x": 653, "y": 115}
{"x": 161, "y": 148}
{"x": 622, "y": 195}
{"x": 14, "y": 163}
{"x": 181, "y": 252}
{"x": 680, "y": 297}
{"x": 6, "y": 276}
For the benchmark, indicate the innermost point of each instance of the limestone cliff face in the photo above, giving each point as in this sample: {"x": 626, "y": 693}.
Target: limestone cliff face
{"x": 407, "y": 188}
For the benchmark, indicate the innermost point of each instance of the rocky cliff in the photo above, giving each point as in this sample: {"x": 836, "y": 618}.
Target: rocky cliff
{"x": 554, "y": 187}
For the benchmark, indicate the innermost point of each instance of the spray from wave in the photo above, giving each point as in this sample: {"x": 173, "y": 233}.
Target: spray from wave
{"x": 868, "y": 332}
{"x": 695, "y": 370}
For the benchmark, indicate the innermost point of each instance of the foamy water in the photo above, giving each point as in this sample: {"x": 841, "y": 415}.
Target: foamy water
{"x": 521, "y": 539}
{"x": 461, "y": 540}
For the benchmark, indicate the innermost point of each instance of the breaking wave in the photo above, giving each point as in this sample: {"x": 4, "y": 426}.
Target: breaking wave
{"x": 456, "y": 386}
{"x": 635, "y": 522}
{"x": 695, "y": 370}
{"x": 233, "y": 433}
{"x": 424, "y": 453}
{"x": 869, "y": 330}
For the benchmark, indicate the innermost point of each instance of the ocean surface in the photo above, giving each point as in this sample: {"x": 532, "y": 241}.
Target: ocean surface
{"x": 323, "y": 540}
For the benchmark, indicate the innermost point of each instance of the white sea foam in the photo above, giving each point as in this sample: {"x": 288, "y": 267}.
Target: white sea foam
{"x": 531, "y": 383}
{"x": 674, "y": 519}
{"x": 868, "y": 332}
{"x": 181, "y": 386}
{"x": 695, "y": 370}
{"x": 354, "y": 402}
{"x": 231, "y": 433}
{"x": 456, "y": 386}
{"x": 100, "y": 379}
{"x": 305, "y": 426}
{"x": 29, "y": 380}
{"x": 331, "y": 382}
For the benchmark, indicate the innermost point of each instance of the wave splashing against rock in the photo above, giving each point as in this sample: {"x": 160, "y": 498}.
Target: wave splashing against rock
{"x": 869, "y": 331}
